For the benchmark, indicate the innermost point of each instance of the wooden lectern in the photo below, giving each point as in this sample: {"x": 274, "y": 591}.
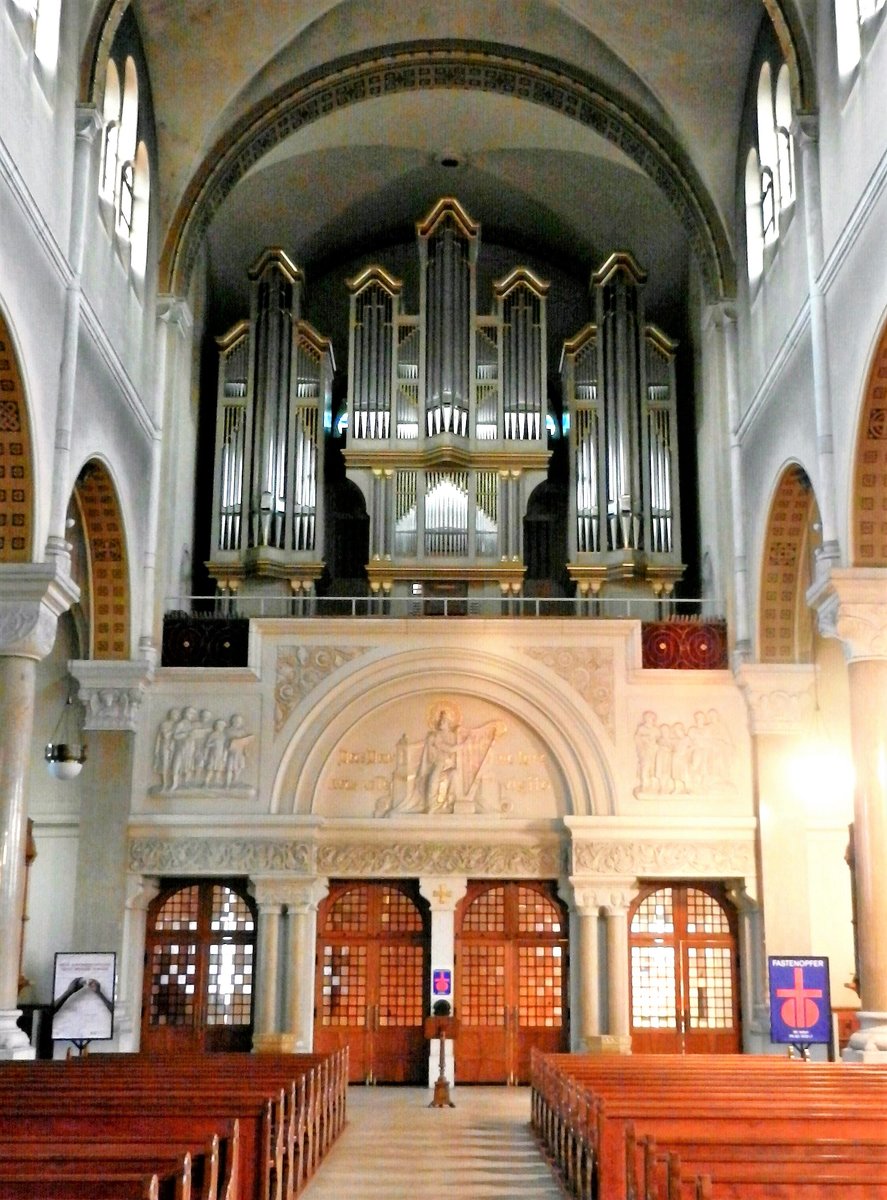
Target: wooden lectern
{"x": 442, "y": 1028}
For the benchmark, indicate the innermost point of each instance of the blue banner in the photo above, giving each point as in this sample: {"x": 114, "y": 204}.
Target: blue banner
{"x": 441, "y": 982}
{"x": 800, "y": 1004}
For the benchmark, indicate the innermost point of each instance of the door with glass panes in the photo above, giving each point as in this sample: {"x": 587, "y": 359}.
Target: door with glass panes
{"x": 372, "y": 980}
{"x": 199, "y": 969}
{"x": 684, "y": 971}
{"x": 511, "y": 976}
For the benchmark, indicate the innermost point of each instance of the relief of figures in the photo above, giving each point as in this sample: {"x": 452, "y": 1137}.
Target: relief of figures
{"x": 443, "y": 773}
{"x": 195, "y": 751}
{"x": 683, "y": 760}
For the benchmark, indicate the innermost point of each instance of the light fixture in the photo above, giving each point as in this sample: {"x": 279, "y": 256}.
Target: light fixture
{"x": 66, "y": 753}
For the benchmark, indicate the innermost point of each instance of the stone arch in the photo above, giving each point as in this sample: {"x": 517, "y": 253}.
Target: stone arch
{"x": 785, "y": 621}
{"x": 868, "y": 503}
{"x": 107, "y": 601}
{"x": 16, "y": 458}
{"x": 575, "y": 737}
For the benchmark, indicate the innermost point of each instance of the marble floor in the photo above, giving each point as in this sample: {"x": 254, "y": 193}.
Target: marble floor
{"x": 395, "y": 1147}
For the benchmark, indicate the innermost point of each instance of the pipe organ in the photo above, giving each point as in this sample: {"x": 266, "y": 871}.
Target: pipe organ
{"x": 619, "y": 393}
{"x": 274, "y": 394}
{"x": 447, "y": 416}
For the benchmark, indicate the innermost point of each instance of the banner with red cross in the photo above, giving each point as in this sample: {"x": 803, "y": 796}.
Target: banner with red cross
{"x": 800, "y": 1005}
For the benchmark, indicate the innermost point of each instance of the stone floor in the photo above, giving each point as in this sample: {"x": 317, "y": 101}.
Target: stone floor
{"x": 397, "y": 1148}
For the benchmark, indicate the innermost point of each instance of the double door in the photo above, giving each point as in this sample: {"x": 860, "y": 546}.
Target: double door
{"x": 684, "y": 976}
{"x": 512, "y": 985}
{"x": 371, "y": 980}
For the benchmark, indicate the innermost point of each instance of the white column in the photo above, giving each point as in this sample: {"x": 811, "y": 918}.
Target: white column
{"x": 86, "y": 125}
{"x": 32, "y": 597}
{"x": 852, "y": 606}
{"x": 807, "y": 138}
{"x": 618, "y": 1016}
{"x": 267, "y": 967}
{"x": 586, "y": 1032}
{"x": 753, "y": 976}
{"x": 302, "y": 898}
{"x": 443, "y": 893}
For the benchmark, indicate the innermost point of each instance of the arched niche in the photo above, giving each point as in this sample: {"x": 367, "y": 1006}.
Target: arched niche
{"x": 16, "y": 458}
{"x": 785, "y": 620}
{"x": 102, "y": 563}
{"x": 868, "y": 505}
{"x": 546, "y": 760}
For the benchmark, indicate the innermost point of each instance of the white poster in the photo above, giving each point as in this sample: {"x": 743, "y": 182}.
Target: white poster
{"x": 83, "y": 997}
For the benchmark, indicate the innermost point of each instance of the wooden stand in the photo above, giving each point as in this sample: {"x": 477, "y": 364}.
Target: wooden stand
{"x": 441, "y": 1028}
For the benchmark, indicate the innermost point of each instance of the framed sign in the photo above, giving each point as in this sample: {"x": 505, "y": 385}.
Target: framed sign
{"x": 800, "y": 1003}
{"x": 83, "y": 997}
{"x": 441, "y": 982}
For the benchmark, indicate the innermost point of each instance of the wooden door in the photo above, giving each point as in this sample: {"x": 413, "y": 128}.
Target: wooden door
{"x": 199, "y": 969}
{"x": 512, "y": 986}
{"x": 372, "y": 980}
{"x": 684, "y": 971}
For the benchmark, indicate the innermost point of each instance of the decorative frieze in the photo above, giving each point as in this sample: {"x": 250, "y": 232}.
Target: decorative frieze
{"x": 588, "y": 671}
{"x": 475, "y": 859}
{"x": 715, "y": 860}
{"x": 162, "y": 856}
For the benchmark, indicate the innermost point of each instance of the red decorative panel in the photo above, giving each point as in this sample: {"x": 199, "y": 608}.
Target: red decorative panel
{"x": 103, "y": 531}
{"x": 685, "y": 645}
{"x": 870, "y": 490}
{"x": 16, "y": 476}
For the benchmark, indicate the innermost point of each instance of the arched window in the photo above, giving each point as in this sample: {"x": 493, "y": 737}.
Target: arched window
{"x": 111, "y": 119}
{"x": 46, "y": 32}
{"x": 768, "y": 154}
{"x": 785, "y": 150}
{"x": 126, "y": 148}
{"x": 851, "y": 19}
{"x": 754, "y": 221}
{"x": 140, "y": 209}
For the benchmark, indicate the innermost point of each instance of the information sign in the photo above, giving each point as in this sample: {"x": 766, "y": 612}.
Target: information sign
{"x": 800, "y": 1005}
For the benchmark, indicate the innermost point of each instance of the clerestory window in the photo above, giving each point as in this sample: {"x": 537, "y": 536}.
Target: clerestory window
{"x": 854, "y": 21}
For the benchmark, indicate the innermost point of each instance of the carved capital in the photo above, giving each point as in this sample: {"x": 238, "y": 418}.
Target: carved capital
{"x": 111, "y": 692}
{"x": 851, "y": 604}
{"x": 612, "y": 896}
{"x": 87, "y": 122}
{"x": 175, "y": 313}
{"x": 297, "y": 895}
{"x": 32, "y": 598}
{"x": 781, "y": 698}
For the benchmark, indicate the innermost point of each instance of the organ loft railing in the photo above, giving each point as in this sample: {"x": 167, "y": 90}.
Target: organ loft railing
{"x": 619, "y": 393}
{"x": 447, "y": 413}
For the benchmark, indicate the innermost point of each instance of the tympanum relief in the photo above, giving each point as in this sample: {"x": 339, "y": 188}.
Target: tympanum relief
{"x": 199, "y": 753}
{"x": 692, "y": 758}
{"x": 440, "y": 757}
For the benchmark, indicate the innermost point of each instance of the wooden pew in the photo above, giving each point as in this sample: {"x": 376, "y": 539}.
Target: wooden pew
{"x": 281, "y": 1146}
{"x": 582, "y": 1105}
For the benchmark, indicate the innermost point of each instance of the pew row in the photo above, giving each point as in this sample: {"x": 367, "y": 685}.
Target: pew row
{"x": 583, "y": 1107}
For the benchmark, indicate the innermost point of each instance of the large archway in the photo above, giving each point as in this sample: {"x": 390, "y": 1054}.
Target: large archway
{"x": 16, "y": 461}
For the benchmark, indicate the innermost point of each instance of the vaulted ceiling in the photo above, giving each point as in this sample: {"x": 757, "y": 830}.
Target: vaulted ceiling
{"x": 566, "y": 127}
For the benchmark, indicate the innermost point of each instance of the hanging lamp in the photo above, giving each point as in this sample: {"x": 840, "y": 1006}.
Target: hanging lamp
{"x": 66, "y": 753}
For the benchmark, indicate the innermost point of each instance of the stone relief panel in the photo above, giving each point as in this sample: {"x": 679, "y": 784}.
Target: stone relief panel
{"x": 300, "y": 669}
{"x": 440, "y": 858}
{"x": 589, "y": 672}
{"x": 696, "y": 757}
{"x": 448, "y": 755}
{"x": 198, "y": 753}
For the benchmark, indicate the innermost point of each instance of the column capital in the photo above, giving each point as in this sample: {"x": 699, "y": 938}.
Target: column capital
{"x": 32, "y": 598}
{"x": 590, "y": 896}
{"x": 806, "y": 128}
{"x": 781, "y": 697}
{"x": 111, "y": 691}
{"x": 443, "y": 892}
{"x": 175, "y": 313}
{"x": 87, "y": 122}
{"x": 851, "y": 605}
{"x": 299, "y": 895}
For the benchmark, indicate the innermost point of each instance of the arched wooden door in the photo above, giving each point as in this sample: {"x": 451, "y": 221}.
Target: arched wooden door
{"x": 512, "y": 985}
{"x": 372, "y": 980}
{"x": 684, "y": 971}
{"x": 199, "y": 969}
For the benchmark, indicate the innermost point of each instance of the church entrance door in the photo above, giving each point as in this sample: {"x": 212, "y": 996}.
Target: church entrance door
{"x": 372, "y": 980}
{"x": 199, "y": 956}
{"x": 684, "y": 972}
{"x": 512, "y": 985}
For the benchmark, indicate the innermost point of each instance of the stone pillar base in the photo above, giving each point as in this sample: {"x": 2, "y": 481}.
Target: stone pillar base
{"x": 608, "y": 1043}
{"x": 14, "y": 1042}
{"x": 869, "y": 1043}
{"x": 274, "y": 1043}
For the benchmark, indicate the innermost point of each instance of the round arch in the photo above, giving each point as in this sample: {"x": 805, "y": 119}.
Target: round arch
{"x": 868, "y": 502}
{"x": 543, "y": 704}
{"x": 108, "y": 599}
{"x": 16, "y": 457}
{"x": 785, "y": 620}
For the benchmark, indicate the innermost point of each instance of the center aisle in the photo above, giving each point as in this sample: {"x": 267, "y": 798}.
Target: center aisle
{"x": 397, "y": 1148}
